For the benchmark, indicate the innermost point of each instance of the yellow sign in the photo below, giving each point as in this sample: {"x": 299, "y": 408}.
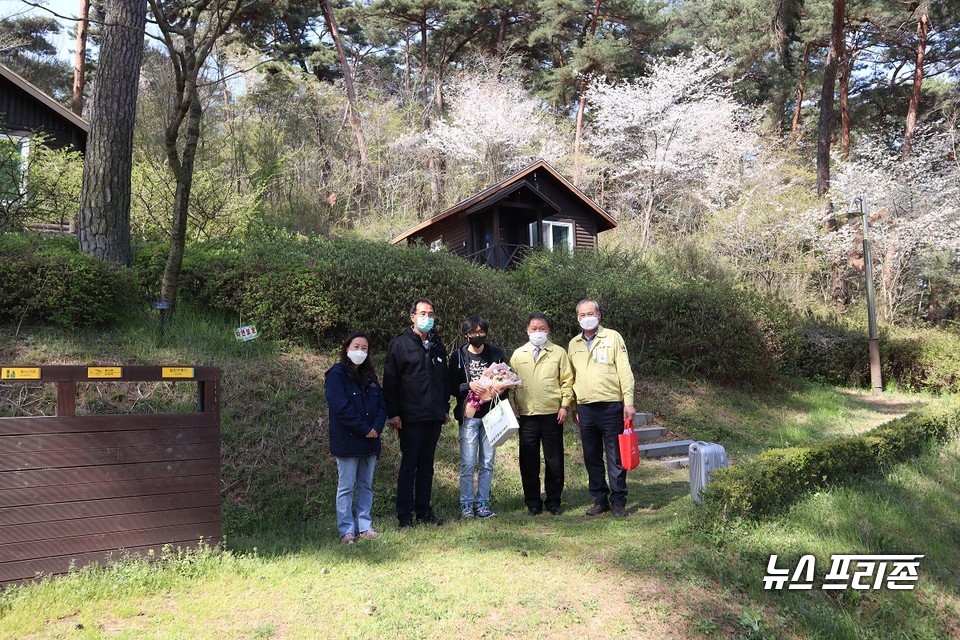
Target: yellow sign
{"x": 104, "y": 372}
{"x": 20, "y": 373}
{"x": 177, "y": 372}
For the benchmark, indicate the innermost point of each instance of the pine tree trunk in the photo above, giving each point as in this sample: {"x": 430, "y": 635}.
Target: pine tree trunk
{"x": 846, "y": 67}
{"x": 347, "y": 80}
{"x": 80, "y": 60}
{"x": 501, "y": 47}
{"x": 105, "y": 195}
{"x": 825, "y": 126}
{"x": 578, "y": 135}
{"x": 923, "y": 26}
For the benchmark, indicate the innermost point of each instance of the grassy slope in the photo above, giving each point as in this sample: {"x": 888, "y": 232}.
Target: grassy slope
{"x": 661, "y": 573}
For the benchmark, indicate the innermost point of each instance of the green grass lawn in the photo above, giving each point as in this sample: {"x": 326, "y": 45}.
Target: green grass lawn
{"x": 663, "y": 572}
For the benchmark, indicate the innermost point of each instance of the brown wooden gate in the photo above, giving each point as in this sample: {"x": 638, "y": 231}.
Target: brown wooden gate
{"x": 75, "y": 490}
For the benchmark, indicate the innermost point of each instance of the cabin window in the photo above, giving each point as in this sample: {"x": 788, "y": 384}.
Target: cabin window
{"x": 555, "y": 234}
{"x": 14, "y": 153}
{"x": 436, "y": 245}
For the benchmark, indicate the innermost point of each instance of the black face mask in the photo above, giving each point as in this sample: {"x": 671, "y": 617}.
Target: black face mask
{"x": 477, "y": 341}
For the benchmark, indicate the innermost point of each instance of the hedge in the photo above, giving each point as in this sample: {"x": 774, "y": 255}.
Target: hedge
{"x": 777, "y": 478}
{"x": 912, "y": 358}
{"x": 50, "y": 280}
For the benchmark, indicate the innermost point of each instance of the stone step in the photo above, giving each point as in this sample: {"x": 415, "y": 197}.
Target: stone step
{"x": 646, "y": 434}
{"x": 675, "y": 463}
{"x": 643, "y": 419}
{"x": 664, "y": 449}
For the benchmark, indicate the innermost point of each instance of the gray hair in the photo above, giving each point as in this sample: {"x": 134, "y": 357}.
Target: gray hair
{"x": 596, "y": 305}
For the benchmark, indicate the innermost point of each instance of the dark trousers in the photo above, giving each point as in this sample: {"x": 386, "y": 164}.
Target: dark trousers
{"x": 418, "y": 445}
{"x": 600, "y": 424}
{"x": 534, "y": 431}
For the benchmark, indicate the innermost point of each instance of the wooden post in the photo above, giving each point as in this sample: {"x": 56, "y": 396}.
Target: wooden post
{"x": 66, "y": 399}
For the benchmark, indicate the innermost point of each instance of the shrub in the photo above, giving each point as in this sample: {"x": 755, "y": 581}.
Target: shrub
{"x": 778, "y": 477}
{"x": 49, "y": 280}
{"x": 913, "y": 359}
{"x": 48, "y": 191}
{"x": 322, "y": 289}
{"x": 832, "y": 353}
{"x": 922, "y": 359}
{"x": 677, "y": 312}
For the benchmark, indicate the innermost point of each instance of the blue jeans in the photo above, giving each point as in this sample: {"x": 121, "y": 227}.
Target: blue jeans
{"x": 355, "y": 474}
{"x": 474, "y": 446}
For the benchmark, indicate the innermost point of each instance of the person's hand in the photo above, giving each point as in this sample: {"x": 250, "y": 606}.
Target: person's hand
{"x": 446, "y": 418}
{"x": 628, "y": 412}
{"x": 562, "y": 415}
{"x": 476, "y": 387}
{"x": 373, "y": 433}
{"x": 576, "y": 418}
{"x": 395, "y": 423}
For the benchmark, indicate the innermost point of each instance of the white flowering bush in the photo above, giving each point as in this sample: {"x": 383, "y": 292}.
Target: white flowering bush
{"x": 492, "y": 127}
{"x": 913, "y": 208}
{"x": 676, "y": 141}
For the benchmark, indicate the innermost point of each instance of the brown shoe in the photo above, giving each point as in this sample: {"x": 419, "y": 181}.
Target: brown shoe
{"x": 597, "y": 509}
{"x": 348, "y": 538}
{"x": 369, "y": 533}
{"x": 619, "y": 510}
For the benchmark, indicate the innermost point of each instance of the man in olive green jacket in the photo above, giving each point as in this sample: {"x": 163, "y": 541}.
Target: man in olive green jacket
{"x": 542, "y": 401}
{"x": 604, "y": 387}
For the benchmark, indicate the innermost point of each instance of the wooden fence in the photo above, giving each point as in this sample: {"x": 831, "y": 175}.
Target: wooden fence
{"x": 75, "y": 490}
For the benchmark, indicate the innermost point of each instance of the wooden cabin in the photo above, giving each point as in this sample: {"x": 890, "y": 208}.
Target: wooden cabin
{"x": 25, "y": 111}
{"x": 536, "y": 207}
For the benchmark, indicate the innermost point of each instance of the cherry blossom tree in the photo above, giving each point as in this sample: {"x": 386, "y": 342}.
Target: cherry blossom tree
{"x": 913, "y": 207}
{"x": 493, "y": 126}
{"x": 675, "y": 141}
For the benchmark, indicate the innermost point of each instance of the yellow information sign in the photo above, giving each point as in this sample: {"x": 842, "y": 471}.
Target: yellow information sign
{"x": 20, "y": 373}
{"x": 104, "y": 372}
{"x": 177, "y": 372}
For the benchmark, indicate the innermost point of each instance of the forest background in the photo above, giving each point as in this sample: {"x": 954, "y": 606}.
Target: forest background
{"x": 691, "y": 122}
{"x": 729, "y": 139}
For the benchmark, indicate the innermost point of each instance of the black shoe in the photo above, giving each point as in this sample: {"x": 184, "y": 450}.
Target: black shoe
{"x": 431, "y": 518}
{"x": 597, "y": 509}
{"x": 554, "y": 511}
{"x": 619, "y": 510}
{"x": 405, "y": 524}
{"x": 534, "y": 511}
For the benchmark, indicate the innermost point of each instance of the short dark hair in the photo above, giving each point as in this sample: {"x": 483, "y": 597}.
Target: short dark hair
{"x": 538, "y": 316}
{"x": 474, "y": 322}
{"x": 413, "y": 307}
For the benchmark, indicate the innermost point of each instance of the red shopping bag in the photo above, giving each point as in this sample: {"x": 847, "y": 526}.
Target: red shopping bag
{"x": 629, "y": 447}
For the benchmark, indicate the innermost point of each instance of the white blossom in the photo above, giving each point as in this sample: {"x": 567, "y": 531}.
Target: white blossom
{"x": 673, "y": 135}
{"x": 494, "y": 120}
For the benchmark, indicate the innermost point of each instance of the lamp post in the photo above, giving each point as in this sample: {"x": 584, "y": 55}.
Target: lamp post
{"x": 876, "y": 380}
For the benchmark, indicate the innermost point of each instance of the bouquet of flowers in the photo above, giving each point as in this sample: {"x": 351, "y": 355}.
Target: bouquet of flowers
{"x": 494, "y": 380}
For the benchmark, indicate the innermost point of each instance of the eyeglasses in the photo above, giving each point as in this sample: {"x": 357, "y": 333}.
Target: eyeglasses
{"x": 477, "y": 334}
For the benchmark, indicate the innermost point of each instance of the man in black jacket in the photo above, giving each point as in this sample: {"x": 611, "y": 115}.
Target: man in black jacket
{"x": 415, "y": 388}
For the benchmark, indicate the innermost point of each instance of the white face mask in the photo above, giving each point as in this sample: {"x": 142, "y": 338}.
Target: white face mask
{"x": 357, "y": 356}
{"x": 538, "y": 338}
{"x": 589, "y": 323}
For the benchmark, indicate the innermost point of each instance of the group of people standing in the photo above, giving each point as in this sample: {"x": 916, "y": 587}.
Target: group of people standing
{"x": 591, "y": 380}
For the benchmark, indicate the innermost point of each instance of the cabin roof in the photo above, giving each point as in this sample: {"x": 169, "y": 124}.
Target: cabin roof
{"x": 496, "y": 192}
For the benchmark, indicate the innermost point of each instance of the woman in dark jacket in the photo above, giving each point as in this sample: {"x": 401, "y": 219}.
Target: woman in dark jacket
{"x": 357, "y": 416}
